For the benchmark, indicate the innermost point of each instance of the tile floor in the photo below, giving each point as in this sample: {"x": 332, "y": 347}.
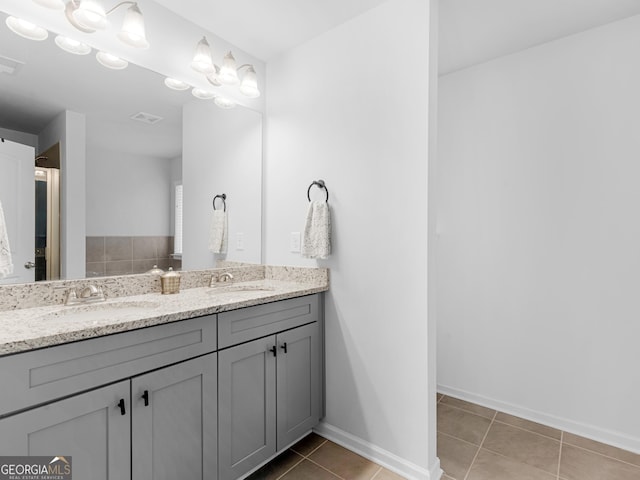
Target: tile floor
{"x": 477, "y": 443}
{"x": 315, "y": 458}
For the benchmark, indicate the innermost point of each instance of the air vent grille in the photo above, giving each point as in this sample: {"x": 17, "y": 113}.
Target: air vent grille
{"x": 147, "y": 118}
{"x": 10, "y": 66}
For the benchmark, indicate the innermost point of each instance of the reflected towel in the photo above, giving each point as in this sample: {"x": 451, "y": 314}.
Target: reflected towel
{"x": 6, "y": 263}
{"x": 316, "y": 241}
{"x": 218, "y": 232}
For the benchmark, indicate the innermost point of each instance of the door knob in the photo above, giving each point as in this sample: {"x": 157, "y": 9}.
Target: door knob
{"x": 29, "y": 265}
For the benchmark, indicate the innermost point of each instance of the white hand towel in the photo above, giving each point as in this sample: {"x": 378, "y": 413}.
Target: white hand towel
{"x": 316, "y": 241}
{"x": 219, "y": 232}
{"x": 6, "y": 263}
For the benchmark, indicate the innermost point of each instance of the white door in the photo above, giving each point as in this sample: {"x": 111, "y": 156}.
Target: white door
{"x": 17, "y": 195}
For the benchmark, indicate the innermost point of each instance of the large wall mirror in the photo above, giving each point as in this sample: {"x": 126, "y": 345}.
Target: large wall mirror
{"x": 122, "y": 150}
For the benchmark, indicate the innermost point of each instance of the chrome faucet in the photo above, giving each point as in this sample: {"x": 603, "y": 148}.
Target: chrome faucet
{"x": 224, "y": 277}
{"x": 88, "y": 294}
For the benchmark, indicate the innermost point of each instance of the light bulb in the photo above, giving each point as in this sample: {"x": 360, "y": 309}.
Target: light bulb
{"x": 224, "y": 102}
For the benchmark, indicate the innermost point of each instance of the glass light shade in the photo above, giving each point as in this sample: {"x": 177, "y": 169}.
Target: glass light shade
{"x": 53, "y": 4}
{"x": 72, "y": 46}
{"x": 175, "y": 84}
{"x": 202, "y": 94}
{"x": 132, "y": 32}
{"x": 212, "y": 78}
{"x": 202, "y": 59}
{"x": 249, "y": 85}
{"x": 26, "y": 29}
{"x": 111, "y": 61}
{"x": 224, "y": 102}
{"x": 228, "y": 74}
{"x": 90, "y": 14}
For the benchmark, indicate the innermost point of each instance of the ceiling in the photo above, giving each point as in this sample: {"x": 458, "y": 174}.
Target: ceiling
{"x": 265, "y": 29}
{"x": 475, "y": 31}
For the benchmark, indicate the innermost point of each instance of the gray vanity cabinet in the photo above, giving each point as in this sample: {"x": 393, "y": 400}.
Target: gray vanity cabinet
{"x": 269, "y": 389}
{"x": 174, "y": 422}
{"x": 88, "y": 427}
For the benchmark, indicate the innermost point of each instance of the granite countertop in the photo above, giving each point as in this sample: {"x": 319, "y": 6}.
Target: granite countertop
{"x": 38, "y": 327}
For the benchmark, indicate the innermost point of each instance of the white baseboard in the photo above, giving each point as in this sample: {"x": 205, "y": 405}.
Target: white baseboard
{"x": 584, "y": 430}
{"x": 379, "y": 455}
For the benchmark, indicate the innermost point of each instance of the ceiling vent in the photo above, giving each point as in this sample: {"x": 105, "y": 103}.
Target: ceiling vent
{"x": 148, "y": 118}
{"x": 9, "y": 65}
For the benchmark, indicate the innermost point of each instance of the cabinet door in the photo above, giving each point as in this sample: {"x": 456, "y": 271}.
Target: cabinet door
{"x": 246, "y": 400}
{"x": 174, "y": 426}
{"x": 299, "y": 377}
{"x": 89, "y": 427}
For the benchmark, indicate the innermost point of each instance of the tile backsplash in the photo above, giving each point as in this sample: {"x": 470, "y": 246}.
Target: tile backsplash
{"x": 123, "y": 255}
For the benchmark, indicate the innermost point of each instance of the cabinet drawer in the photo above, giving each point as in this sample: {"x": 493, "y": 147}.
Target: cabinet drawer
{"x": 246, "y": 324}
{"x": 43, "y": 375}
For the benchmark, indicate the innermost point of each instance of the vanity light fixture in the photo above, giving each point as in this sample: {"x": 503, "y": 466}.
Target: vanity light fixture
{"x": 202, "y": 94}
{"x": 72, "y": 46}
{"x": 111, "y": 61}
{"x": 175, "y": 84}
{"x": 52, "y": 4}
{"x": 228, "y": 73}
{"x": 26, "y": 29}
{"x": 89, "y": 16}
{"x": 202, "y": 62}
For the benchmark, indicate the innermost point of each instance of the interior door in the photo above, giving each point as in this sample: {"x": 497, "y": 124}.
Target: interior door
{"x": 17, "y": 195}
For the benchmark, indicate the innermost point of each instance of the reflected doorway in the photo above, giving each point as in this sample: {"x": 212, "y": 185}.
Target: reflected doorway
{"x": 47, "y": 215}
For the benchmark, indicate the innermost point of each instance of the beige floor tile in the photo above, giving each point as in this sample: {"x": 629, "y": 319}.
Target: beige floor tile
{"x": 462, "y": 424}
{"x": 528, "y": 425}
{"x": 469, "y": 407}
{"x": 447, "y": 477}
{"x": 579, "y": 464}
{"x": 490, "y": 466}
{"x": 385, "y": 474}
{"x": 455, "y": 455}
{"x": 524, "y": 446}
{"x": 602, "y": 448}
{"x": 307, "y": 470}
{"x": 277, "y": 467}
{"x": 343, "y": 462}
{"x": 308, "y": 444}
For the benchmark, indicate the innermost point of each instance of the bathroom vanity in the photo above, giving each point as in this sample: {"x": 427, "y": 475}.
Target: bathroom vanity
{"x": 201, "y": 385}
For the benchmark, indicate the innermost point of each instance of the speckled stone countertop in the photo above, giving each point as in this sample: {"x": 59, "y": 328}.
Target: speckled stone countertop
{"x": 23, "y": 329}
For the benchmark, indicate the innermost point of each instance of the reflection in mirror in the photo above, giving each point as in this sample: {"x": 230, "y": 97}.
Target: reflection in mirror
{"x": 120, "y": 140}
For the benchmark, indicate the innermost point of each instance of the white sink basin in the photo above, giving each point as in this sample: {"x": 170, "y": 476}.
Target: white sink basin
{"x": 99, "y": 311}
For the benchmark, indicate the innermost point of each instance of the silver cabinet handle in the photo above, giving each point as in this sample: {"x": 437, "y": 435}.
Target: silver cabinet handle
{"x": 29, "y": 265}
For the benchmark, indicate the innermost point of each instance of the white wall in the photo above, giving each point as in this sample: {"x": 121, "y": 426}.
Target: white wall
{"x": 128, "y": 194}
{"x": 539, "y": 246}
{"x": 351, "y": 107}
{"x": 69, "y": 128}
{"x": 222, "y": 153}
